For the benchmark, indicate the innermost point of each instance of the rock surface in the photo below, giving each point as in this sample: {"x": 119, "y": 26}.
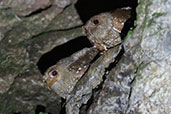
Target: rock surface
{"x": 139, "y": 83}
{"x": 90, "y": 81}
{"x": 28, "y": 7}
{"x": 135, "y": 81}
{"x": 151, "y": 90}
{"x": 24, "y": 38}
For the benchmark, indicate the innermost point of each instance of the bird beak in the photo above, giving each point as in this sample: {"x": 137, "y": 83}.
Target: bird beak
{"x": 45, "y": 78}
{"x": 85, "y": 31}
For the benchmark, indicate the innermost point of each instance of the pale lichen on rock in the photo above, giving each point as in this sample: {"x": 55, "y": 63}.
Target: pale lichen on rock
{"x": 151, "y": 90}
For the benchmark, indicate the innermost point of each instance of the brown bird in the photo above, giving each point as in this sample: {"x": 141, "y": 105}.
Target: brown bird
{"x": 103, "y": 30}
{"x": 63, "y": 76}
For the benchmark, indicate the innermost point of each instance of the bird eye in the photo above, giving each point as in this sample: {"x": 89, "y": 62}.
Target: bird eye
{"x": 96, "y": 21}
{"x": 54, "y": 73}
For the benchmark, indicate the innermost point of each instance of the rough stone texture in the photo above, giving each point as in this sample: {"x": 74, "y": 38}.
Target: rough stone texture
{"x": 28, "y": 7}
{"x": 138, "y": 82}
{"x": 151, "y": 90}
{"x": 90, "y": 81}
{"x": 114, "y": 96}
{"x": 24, "y": 37}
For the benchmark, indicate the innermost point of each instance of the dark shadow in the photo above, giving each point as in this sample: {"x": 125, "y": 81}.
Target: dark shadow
{"x": 17, "y": 113}
{"x": 63, "y": 103}
{"x": 39, "y": 109}
{"x": 117, "y": 59}
{"x": 62, "y": 51}
{"x": 37, "y": 11}
{"x": 88, "y": 8}
{"x": 129, "y": 24}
